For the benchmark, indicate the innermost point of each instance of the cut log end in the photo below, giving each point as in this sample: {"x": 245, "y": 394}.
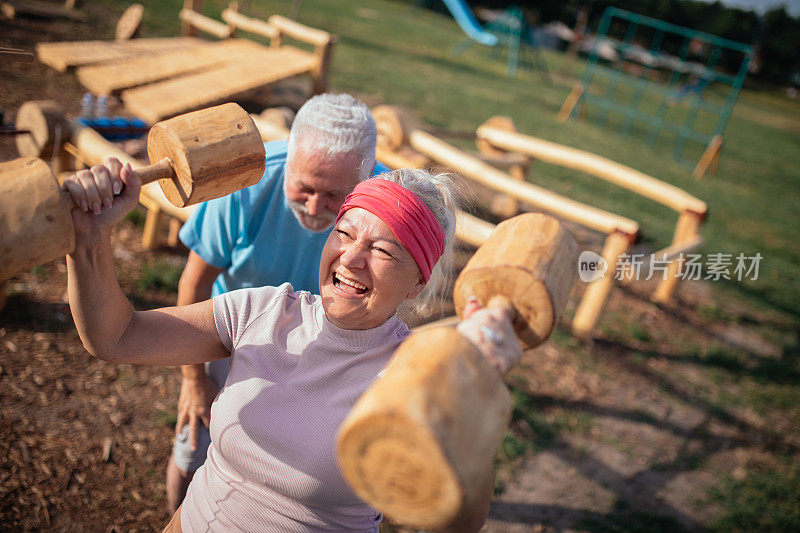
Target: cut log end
{"x": 397, "y": 467}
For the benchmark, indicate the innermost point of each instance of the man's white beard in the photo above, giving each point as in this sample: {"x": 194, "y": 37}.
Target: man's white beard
{"x": 315, "y": 223}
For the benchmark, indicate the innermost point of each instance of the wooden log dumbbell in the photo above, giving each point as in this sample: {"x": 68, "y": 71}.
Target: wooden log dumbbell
{"x": 419, "y": 444}
{"x": 195, "y": 157}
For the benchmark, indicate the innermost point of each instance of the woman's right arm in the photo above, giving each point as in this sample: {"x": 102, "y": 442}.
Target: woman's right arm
{"x": 106, "y": 321}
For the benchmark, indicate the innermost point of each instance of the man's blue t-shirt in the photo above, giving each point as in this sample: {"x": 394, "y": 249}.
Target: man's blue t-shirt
{"x": 253, "y": 235}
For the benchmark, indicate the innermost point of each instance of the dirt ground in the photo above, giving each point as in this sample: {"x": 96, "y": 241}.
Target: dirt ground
{"x": 631, "y": 431}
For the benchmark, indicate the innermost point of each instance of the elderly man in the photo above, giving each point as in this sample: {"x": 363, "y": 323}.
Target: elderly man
{"x": 267, "y": 234}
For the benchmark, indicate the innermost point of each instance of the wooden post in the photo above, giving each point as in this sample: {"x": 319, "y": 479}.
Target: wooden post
{"x": 129, "y": 23}
{"x": 152, "y": 227}
{"x": 233, "y": 7}
{"x": 187, "y": 28}
{"x": 597, "y": 293}
{"x": 321, "y": 72}
{"x": 710, "y": 157}
{"x": 686, "y": 231}
{"x": 569, "y": 104}
{"x": 173, "y": 239}
{"x": 503, "y": 205}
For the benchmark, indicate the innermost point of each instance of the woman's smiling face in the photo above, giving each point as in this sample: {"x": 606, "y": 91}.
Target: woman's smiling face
{"x": 365, "y": 273}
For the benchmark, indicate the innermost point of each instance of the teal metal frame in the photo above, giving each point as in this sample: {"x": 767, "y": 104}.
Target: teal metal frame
{"x": 514, "y": 33}
{"x": 687, "y": 83}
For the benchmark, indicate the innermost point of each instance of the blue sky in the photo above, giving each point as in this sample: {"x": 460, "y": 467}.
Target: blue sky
{"x": 761, "y": 6}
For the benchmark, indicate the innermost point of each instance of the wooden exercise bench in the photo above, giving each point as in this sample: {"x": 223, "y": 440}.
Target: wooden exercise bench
{"x": 253, "y": 66}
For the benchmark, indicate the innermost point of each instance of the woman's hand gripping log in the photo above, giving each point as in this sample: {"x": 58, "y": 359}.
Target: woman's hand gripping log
{"x": 106, "y": 321}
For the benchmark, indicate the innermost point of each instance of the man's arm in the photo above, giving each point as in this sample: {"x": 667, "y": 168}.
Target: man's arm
{"x": 197, "y": 389}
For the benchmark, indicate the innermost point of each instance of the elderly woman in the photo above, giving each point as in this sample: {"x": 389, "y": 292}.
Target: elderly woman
{"x": 299, "y": 361}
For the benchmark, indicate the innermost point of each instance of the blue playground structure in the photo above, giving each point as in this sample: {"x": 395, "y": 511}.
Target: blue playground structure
{"x": 510, "y": 29}
{"x": 469, "y": 24}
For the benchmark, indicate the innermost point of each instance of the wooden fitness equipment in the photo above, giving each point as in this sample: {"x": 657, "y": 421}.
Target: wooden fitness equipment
{"x": 195, "y": 157}
{"x": 418, "y": 445}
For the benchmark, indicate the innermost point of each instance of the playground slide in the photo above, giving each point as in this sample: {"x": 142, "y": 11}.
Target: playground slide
{"x": 466, "y": 20}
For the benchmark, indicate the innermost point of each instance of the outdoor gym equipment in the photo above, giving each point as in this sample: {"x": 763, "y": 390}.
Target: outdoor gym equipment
{"x": 683, "y": 96}
{"x": 394, "y": 135}
{"x": 469, "y": 24}
{"x": 498, "y": 135}
{"x": 419, "y": 444}
{"x": 195, "y": 157}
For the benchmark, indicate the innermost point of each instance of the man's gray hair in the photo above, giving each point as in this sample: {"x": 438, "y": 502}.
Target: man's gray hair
{"x": 336, "y": 125}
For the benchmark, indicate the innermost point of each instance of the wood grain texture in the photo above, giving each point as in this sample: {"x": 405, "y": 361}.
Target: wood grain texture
{"x": 214, "y": 152}
{"x": 35, "y": 220}
{"x": 111, "y": 78}
{"x": 420, "y": 441}
{"x": 539, "y": 197}
{"x": 592, "y": 164}
{"x": 129, "y": 23}
{"x": 533, "y": 262}
{"x": 171, "y": 97}
{"x": 45, "y": 121}
{"x": 64, "y": 55}
{"x": 205, "y": 24}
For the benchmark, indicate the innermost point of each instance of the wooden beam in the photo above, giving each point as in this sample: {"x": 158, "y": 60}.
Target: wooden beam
{"x": 129, "y": 23}
{"x": 686, "y": 232}
{"x": 206, "y": 24}
{"x": 594, "y": 165}
{"x": 111, "y": 78}
{"x": 250, "y": 25}
{"x": 270, "y": 131}
{"x": 710, "y": 157}
{"x": 64, "y": 55}
{"x": 539, "y": 197}
{"x": 472, "y": 230}
{"x": 569, "y": 104}
{"x": 39, "y": 9}
{"x": 172, "y": 97}
{"x": 301, "y": 32}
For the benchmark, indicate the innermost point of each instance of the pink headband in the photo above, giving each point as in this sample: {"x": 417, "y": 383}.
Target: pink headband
{"x": 409, "y": 218}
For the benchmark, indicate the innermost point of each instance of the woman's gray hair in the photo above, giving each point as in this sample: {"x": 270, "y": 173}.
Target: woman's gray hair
{"x": 336, "y": 125}
{"x": 440, "y": 193}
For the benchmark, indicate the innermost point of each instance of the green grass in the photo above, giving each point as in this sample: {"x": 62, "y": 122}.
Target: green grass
{"x": 765, "y": 500}
{"x": 623, "y": 518}
{"x": 160, "y": 275}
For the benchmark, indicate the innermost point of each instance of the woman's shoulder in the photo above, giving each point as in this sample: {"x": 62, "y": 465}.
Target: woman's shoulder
{"x": 265, "y": 296}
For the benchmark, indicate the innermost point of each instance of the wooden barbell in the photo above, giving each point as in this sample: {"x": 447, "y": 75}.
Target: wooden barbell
{"x": 418, "y": 445}
{"x": 195, "y": 157}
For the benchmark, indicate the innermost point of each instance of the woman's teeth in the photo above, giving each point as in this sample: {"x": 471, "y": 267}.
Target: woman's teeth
{"x": 356, "y": 285}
